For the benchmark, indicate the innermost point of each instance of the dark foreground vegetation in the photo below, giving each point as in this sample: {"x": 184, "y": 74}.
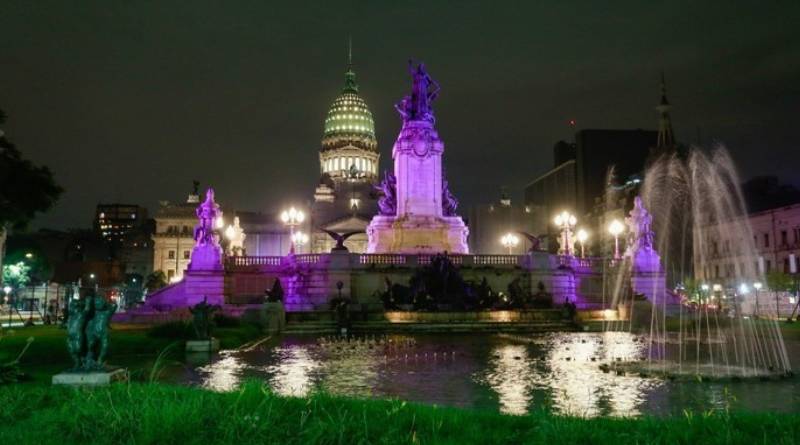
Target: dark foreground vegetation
{"x": 166, "y": 414}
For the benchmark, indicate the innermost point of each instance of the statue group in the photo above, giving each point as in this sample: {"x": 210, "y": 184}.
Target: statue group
{"x": 424, "y": 90}
{"x": 87, "y": 332}
{"x": 203, "y": 319}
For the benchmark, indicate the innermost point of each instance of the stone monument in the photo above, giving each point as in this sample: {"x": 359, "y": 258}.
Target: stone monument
{"x": 87, "y": 343}
{"x": 647, "y": 276}
{"x": 207, "y": 252}
{"x": 640, "y": 239}
{"x": 417, "y": 211}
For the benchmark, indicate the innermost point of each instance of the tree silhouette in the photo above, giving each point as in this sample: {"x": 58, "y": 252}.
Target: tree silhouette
{"x": 25, "y": 188}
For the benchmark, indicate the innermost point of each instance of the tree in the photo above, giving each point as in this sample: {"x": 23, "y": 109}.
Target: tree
{"x": 779, "y": 282}
{"x": 16, "y": 275}
{"x": 25, "y": 188}
{"x": 155, "y": 280}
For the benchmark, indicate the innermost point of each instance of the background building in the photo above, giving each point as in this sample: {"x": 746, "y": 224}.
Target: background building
{"x": 776, "y": 236}
{"x": 115, "y": 222}
{"x": 345, "y": 199}
{"x": 173, "y": 238}
{"x": 489, "y": 222}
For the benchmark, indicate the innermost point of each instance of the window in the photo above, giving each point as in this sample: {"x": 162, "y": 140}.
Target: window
{"x": 170, "y": 274}
{"x": 766, "y": 240}
{"x": 769, "y": 266}
{"x": 716, "y": 271}
{"x": 171, "y": 254}
{"x": 784, "y": 238}
{"x": 786, "y": 264}
{"x": 185, "y": 254}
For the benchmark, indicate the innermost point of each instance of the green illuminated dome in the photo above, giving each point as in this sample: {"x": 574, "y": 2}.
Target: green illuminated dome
{"x": 349, "y": 121}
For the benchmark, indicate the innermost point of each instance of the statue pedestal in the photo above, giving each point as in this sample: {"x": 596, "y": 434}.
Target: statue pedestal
{"x": 95, "y": 378}
{"x": 210, "y": 345}
{"x": 206, "y": 257}
{"x": 412, "y": 234}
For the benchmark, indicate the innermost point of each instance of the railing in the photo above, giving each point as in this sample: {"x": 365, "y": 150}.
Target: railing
{"x": 308, "y": 258}
{"x": 388, "y": 259}
{"x": 495, "y": 260}
{"x": 381, "y": 258}
{"x": 243, "y": 261}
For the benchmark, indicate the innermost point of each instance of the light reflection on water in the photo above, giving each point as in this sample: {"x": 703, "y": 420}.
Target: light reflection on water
{"x": 513, "y": 375}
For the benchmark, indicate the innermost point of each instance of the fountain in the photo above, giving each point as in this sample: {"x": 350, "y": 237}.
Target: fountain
{"x": 699, "y": 333}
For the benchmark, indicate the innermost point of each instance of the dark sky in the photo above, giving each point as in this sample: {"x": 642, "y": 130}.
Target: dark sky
{"x": 129, "y": 101}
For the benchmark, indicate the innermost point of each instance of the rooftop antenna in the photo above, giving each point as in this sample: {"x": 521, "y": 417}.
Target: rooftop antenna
{"x": 349, "y": 52}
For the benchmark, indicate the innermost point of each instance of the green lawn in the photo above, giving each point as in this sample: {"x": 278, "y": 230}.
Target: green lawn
{"x": 166, "y": 414}
{"x": 130, "y": 346}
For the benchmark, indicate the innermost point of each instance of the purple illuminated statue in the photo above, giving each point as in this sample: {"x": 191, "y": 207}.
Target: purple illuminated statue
{"x": 207, "y": 253}
{"x": 449, "y": 202}
{"x": 387, "y": 204}
{"x": 424, "y": 90}
{"x": 640, "y": 242}
{"x": 417, "y": 210}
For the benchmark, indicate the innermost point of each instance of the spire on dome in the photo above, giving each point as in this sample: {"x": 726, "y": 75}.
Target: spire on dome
{"x": 666, "y": 138}
{"x": 350, "y": 85}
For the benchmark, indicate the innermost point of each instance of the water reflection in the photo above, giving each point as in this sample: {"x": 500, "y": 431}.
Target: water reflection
{"x": 511, "y": 374}
{"x": 510, "y": 378}
{"x": 293, "y": 374}
{"x": 224, "y": 374}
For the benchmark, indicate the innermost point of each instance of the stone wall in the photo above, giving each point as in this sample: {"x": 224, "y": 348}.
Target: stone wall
{"x": 310, "y": 281}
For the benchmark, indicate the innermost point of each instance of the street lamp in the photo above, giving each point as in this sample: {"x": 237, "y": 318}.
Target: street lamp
{"x": 565, "y": 221}
{"x": 615, "y": 229}
{"x": 757, "y": 287}
{"x": 509, "y": 241}
{"x": 299, "y": 239}
{"x": 582, "y": 235}
{"x": 292, "y": 218}
{"x": 7, "y": 290}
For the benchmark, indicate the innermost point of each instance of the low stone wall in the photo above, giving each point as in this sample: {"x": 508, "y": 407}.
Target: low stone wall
{"x": 474, "y": 316}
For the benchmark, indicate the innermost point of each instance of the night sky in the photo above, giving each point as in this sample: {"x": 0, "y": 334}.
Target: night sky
{"x": 130, "y": 101}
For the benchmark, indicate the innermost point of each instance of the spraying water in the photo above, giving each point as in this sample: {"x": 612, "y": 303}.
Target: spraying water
{"x": 696, "y": 205}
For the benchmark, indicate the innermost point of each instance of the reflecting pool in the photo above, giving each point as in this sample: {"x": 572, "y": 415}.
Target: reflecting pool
{"x": 509, "y": 373}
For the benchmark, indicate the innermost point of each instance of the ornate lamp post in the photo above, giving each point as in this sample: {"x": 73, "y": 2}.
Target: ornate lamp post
{"x": 299, "y": 239}
{"x": 565, "y": 221}
{"x": 7, "y": 290}
{"x": 615, "y": 228}
{"x": 582, "y": 235}
{"x": 292, "y": 218}
{"x": 509, "y": 241}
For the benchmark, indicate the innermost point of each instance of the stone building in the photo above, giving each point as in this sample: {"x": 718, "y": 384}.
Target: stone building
{"x": 776, "y": 236}
{"x": 173, "y": 238}
{"x": 345, "y": 198}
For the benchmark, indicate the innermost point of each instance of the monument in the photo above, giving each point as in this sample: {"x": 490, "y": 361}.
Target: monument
{"x": 417, "y": 213}
{"x": 87, "y": 343}
{"x": 207, "y": 252}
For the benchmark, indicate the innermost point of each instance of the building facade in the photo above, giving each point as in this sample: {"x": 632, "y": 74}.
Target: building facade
{"x": 116, "y": 222}
{"x": 775, "y": 237}
{"x": 173, "y": 238}
{"x": 345, "y": 198}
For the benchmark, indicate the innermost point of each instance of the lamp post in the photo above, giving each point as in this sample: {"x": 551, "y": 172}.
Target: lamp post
{"x": 299, "y": 239}
{"x": 582, "y": 235}
{"x": 565, "y": 221}
{"x": 292, "y": 218}
{"x": 509, "y": 241}
{"x": 7, "y": 290}
{"x": 615, "y": 228}
{"x": 757, "y": 287}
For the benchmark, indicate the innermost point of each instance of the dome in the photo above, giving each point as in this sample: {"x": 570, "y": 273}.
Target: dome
{"x": 349, "y": 121}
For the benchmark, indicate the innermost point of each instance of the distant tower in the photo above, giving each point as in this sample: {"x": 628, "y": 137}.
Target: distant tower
{"x": 349, "y": 149}
{"x": 666, "y": 138}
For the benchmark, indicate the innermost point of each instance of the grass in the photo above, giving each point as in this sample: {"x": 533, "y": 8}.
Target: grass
{"x": 130, "y": 346}
{"x": 167, "y": 414}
